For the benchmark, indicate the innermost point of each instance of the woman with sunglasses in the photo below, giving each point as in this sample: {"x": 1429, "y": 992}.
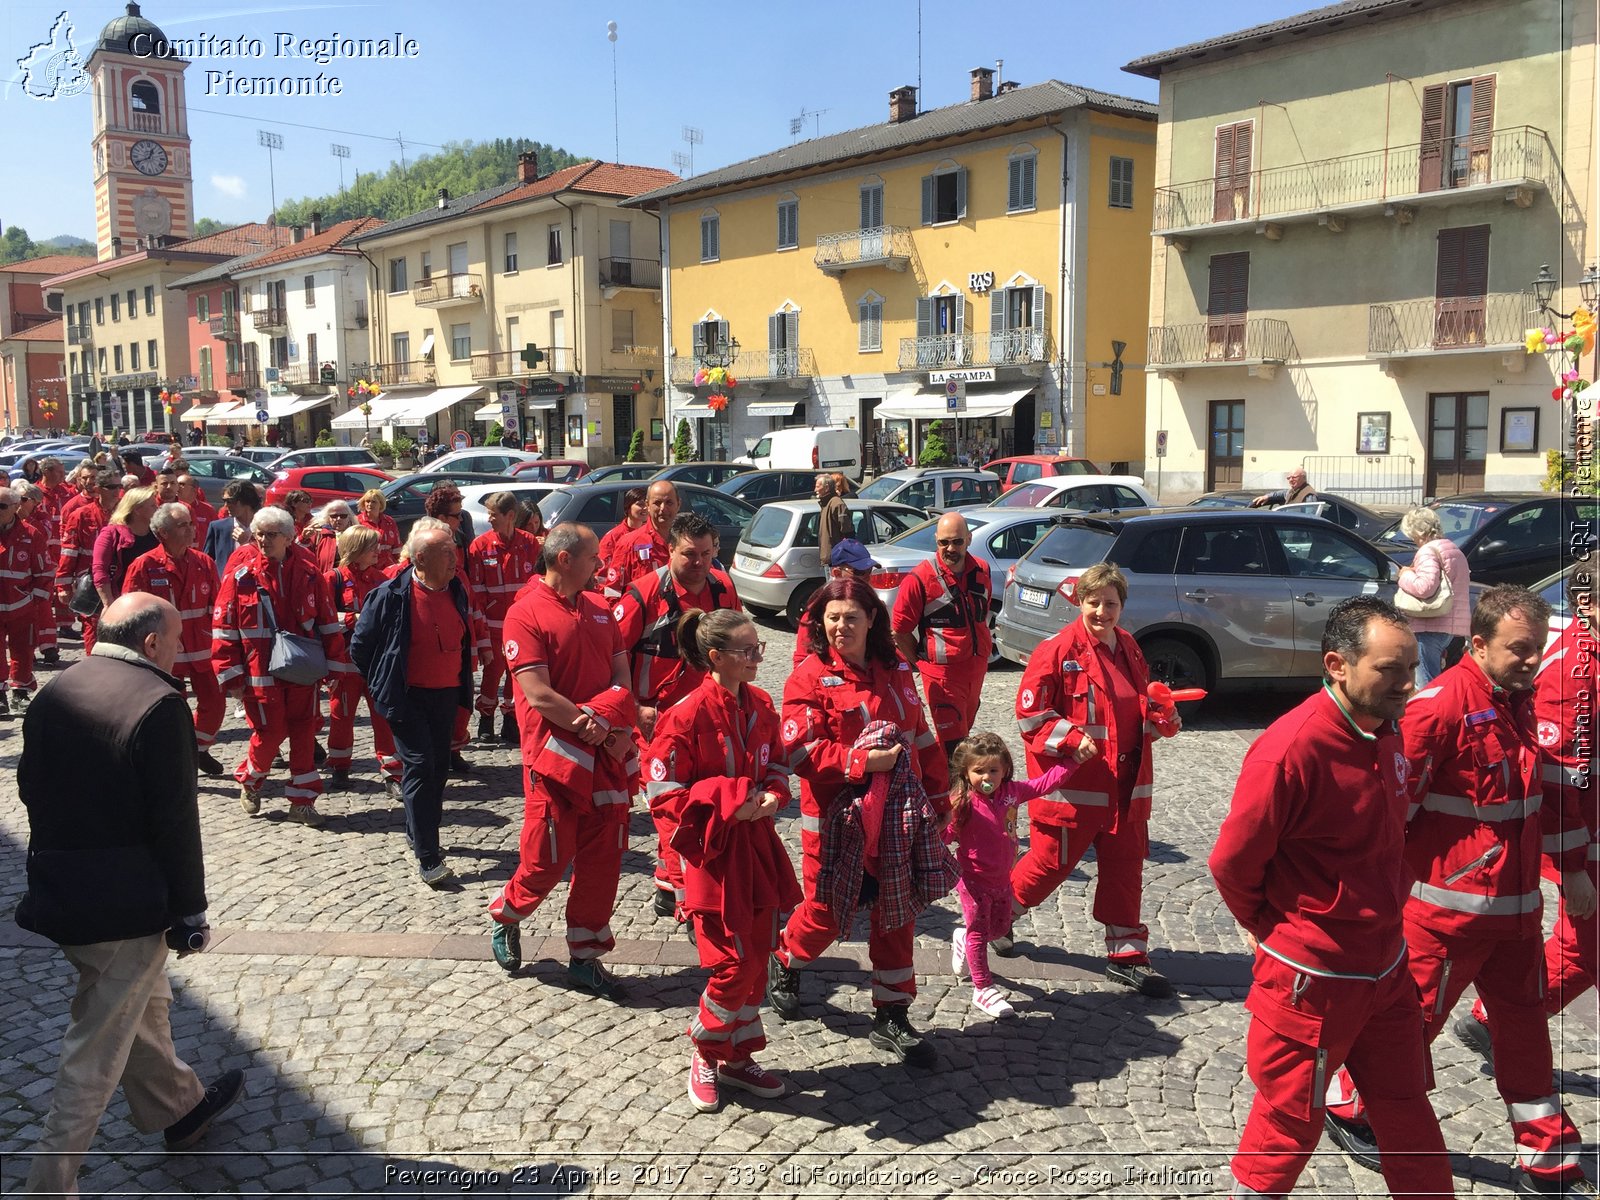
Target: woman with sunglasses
{"x": 321, "y": 536}
{"x": 717, "y": 775}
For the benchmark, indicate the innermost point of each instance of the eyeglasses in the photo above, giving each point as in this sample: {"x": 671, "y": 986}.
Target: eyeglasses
{"x": 338, "y": 516}
{"x": 749, "y": 653}
{"x": 269, "y": 533}
{"x": 952, "y": 541}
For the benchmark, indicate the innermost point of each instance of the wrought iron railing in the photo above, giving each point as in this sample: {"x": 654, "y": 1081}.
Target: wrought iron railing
{"x": 792, "y": 363}
{"x": 80, "y": 335}
{"x": 1517, "y": 154}
{"x": 1220, "y": 340}
{"x": 462, "y": 287}
{"x": 394, "y": 374}
{"x": 1007, "y": 348}
{"x": 1449, "y": 324}
{"x": 305, "y": 375}
{"x": 272, "y": 317}
{"x": 630, "y": 272}
{"x": 504, "y": 364}
{"x": 1391, "y": 478}
{"x": 225, "y": 326}
{"x": 83, "y": 383}
{"x": 242, "y": 381}
{"x": 882, "y": 245}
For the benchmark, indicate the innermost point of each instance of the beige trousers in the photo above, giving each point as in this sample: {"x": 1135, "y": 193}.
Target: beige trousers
{"x": 120, "y": 1033}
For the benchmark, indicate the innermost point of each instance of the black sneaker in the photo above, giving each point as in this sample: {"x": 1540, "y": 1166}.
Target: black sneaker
{"x": 1474, "y": 1034}
{"x": 1005, "y": 945}
{"x": 1532, "y": 1185}
{"x": 458, "y": 764}
{"x": 318, "y": 754}
{"x": 509, "y": 733}
{"x": 340, "y": 779}
{"x": 208, "y": 764}
{"x": 507, "y": 946}
{"x": 486, "y": 727}
{"x": 1141, "y": 977}
{"x": 50, "y": 656}
{"x": 587, "y": 975}
{"x": 892, "y": 1031}
{"x": 1355, "y": 1138}
{"x": 664, "y": 903}
{"x": 783, "y": 989}
{"x": 220, "y": 1096}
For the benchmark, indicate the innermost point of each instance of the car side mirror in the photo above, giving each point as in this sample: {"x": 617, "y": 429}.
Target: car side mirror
{"x": 1484, "y": 549}
{"x": 1394, "y": 571}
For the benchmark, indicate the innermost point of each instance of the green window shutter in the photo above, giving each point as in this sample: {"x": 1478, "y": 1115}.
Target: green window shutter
{"x": 997, "y": 310}
{"x": 961, "y": 192}
{"x": 924, "y": 316}
{"x": 927, "y": 199}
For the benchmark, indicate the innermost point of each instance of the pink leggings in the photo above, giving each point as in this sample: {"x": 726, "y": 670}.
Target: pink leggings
{"x": 987, "y": 913}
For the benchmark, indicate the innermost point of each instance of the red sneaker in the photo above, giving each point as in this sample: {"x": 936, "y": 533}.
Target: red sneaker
{"x": 703, "y": 1092}
{"x": 749, "y": 1077}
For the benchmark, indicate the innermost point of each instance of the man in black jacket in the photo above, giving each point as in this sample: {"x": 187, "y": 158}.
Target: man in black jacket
{"x": 115, "y": 876}
{"x": 223, "y": 536}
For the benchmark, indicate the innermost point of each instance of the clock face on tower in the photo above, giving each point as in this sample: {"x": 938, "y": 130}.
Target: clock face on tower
{"x": 148, "y": 157}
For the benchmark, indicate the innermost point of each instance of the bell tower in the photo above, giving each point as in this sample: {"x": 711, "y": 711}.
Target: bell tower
{"x": 143, "y": 186}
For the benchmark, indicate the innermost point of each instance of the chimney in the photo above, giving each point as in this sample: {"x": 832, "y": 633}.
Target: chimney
{"x": 444, "y": 197}
{"x": 297, "y": 234}
{"x": 316, "y": 223}
{"x": 528, "y": 166}
{"x": 902, "y": 104}
{"x": 116, "y": 247}
{"x": 1009, "y": 85}
{"x": 982, "y": 83}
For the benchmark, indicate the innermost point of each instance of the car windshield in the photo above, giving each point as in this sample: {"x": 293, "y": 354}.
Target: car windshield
{"x": 922, "y": 537}
{"x": 881, "y": 488}
{"x": 1027, "y": 495}
{"x": 769, "y": 528}
{"x": 1075, "y": 466}
{"x": 1460, "y": 521}
{"x": 1072, "y": 546}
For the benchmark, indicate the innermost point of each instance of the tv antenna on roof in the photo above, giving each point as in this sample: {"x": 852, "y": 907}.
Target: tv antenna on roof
{"x": 694, "y": 137}
{"x": 796, "y": 124}
{"x": 681, "y": 161}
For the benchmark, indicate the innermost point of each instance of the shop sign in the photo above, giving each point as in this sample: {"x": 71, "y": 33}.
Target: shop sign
{"x": 965, "y": 375}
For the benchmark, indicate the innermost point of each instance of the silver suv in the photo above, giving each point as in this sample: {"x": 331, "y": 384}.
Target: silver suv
{"x": 1215, "y": 596}
{"x": 935, "y": 489}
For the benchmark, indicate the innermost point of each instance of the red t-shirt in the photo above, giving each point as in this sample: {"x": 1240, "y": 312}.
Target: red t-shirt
{"x": 575, "y": 641}
{"x": 437, "y": 632}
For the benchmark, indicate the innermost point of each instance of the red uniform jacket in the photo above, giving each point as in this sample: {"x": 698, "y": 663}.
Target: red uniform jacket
{"x": 73, "y": 502}
{"x": 323, "y": 542}
{"x": 1064, "y": 699}
{"x": 190, "y": 585}
{"x": 24, "y": 571}
{"x": 608, "y": 553}
{"x": 1477, "y": 819}
{"x": 827, "y": 705}
{"x": 704, "y": 758}
{"x": 642, "y": 551}
{"x": 55, "y": 499}
{"x": 647, "y": 619}
{"x": 498, "y": 569}
{"x": 388, "y": 538}
{"x": 201, "y": 512}
{"x": 349, "y": 589}
{"x": 1310, "y": 858}
{"x": 949, "y": 616}
{"x": 1564, "y": 697}
{"x": 83, "y": 525}
{"x": 241, "y": 642}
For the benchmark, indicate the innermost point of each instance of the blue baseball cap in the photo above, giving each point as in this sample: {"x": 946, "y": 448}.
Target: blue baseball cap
{"x": 852, "y": 554}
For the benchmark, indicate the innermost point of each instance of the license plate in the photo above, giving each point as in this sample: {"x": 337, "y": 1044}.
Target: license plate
{"x": 749, "y": 562}
{"x": 1034, "y": 597}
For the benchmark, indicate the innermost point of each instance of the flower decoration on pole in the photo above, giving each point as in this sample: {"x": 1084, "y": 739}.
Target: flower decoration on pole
{"x": 717, "y": 402}
{"x": 1577, "y": 342}
{"x": 715, "y": 377}
{"x": 169, "y": 398}
{"x": 47, "y": 410}
{"x": 363, "y": 390}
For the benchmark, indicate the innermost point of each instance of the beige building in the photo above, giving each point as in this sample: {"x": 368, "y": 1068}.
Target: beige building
{"x": 458, "y": 292}
{"x": 1351, "y": 206}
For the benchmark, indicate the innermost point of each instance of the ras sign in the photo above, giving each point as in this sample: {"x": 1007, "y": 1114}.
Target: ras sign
{"x": 980, "y": 281}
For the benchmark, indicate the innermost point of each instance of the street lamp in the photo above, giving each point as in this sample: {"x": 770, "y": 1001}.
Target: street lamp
{"x": 1544, "y": 288}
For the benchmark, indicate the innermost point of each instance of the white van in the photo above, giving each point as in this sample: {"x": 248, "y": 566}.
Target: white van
{"x": 811, "y": 448}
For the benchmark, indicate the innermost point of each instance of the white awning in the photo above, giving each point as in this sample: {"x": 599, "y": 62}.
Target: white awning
{"x": 772, "y": 408}
{"x": 929, "y": 405}
{"x": 383, "y": 405}
{"x": 198, "y": 413}
{"x": 693, "y": 410}
{"x": 287, "y": 406}
{"x": 237, "y": 412}
{"x": 490, "y": 412}
{"x": 541, "y": 403}
{"x": 420, "y": 406}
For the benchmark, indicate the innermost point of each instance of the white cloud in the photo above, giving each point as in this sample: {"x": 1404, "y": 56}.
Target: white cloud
{"x": 229, "y": 185}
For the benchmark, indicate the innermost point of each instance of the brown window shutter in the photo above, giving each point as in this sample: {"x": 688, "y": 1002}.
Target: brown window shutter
{"x": 1475, "y": 260}
{"x": 1222, "y": 207}
{"x": 1241, "y": 154}
{"x": 1431, "y": 157}
{"x": 1229, "y": 288}
{"x": 1482, "y": 114}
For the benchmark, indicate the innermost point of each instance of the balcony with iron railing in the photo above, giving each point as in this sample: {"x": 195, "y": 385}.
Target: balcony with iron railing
{"x": 225, "y": 326}
{"x": 83, "y": 383}
{"x": 442, "y": 291}
{"x": 1494, "y": 323}
{"x": 882, "y": 246}
{"x": 416, "y": 372}
{"x": 508, "y": 364}
{"x": 793, "y": 366}
{"x": 242, "y": 380}
{"x": 1516, "y": 162}
{"x": 306, "y": 377}
{"x": 80, "y": 335}
{"x": 1229, "y": 340}
{"x": 1021, "y": 348}
{"x": 270, "y": 320}
{"x": 631, "y": 273}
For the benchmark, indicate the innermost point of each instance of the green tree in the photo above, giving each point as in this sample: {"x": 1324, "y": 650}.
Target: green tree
{"x": 934, "y": 451}
{"x": 636, "y": 447}
{"x": 15, "y": 245}
{"x": 208, "y": 225}
{"x": 683, "y": 442}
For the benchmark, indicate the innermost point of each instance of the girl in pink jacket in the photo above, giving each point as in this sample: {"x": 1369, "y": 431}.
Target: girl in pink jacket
{"x": 983, "y": 822}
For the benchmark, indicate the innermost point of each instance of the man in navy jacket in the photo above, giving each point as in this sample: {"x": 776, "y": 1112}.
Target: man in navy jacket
{"x": 242, "y": 499}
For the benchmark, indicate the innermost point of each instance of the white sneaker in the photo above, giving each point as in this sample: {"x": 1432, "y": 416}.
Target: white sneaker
{"x": 958, "y": 952}
{"x": 992, "y": 1001}
{"x": 238, "y": 711}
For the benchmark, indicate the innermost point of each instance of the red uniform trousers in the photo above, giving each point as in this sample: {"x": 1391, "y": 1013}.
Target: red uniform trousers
{"x": 554, "y": 837}
{"x": 813, "y": 927}
{"x": 90, "y": 624}
{"x": 727, "y": 1025}
{"x": 284, "y": 710}
{"x": 345, "y": 694}
{"x": 209, "y": 705}
{"x": 17, "y": 646}
{"x": 496, "y": 685}
{"x": 1572, "y": 955}
{"x": 1305, "y": 1027}
{"x": 953, "y": 691}
{"x": 1509, "y": 976}
{"x": 1054, "y": 852}
{"x": 460, "y": 734}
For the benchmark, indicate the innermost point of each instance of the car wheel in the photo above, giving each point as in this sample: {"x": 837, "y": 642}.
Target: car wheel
{"x": 995, "y": 658}
{"x": 799, "y": 598}
{"x": 1175, "y": 663}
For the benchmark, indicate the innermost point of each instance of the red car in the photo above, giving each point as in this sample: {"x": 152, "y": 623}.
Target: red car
{"x": 550, "y": 470}
{"x": 323, "y": 484}
{"x": 1022, "y": 468}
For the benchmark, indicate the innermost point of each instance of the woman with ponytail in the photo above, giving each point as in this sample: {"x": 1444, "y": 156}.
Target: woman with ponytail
{"x": 716, "y": 771}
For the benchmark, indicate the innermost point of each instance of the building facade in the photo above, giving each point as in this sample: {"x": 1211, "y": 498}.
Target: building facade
{"x": 32, "y": 356}
{"x": 1350, "y": 209}
{"x": 852, "y": 280}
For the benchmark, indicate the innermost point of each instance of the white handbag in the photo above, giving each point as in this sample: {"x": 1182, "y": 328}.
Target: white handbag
{"x": 1436, "y": 605}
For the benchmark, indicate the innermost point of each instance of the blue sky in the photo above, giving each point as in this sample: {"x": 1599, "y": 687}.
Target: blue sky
{"x": 738, "y": 72}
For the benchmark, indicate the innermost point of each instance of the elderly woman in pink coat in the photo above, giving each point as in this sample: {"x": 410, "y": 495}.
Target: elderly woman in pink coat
{"x": 1437, "y": 558}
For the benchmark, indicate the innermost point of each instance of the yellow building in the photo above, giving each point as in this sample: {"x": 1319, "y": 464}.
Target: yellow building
{"x": 846, "y": 280}
{"x": 459, "y": 291}
{"x": 1351, "y": 208}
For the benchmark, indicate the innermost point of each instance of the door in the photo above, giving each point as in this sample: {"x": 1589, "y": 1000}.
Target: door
{"x": 1227, "y": 304}
{"x": 1232, "y": 174}
{"x": 941, "y": 320}
{"x": 1230, "y": 588}
{"x": 872, "y": 222}
{"x": 621, "y": 425}
{"x": 621, "y": 242}
{"x": 1461, "y": 281}
{"x": 783, "y": 342}
{"x": 1225, "y": 446}
{"x": 1458, "y": 441}
{"x": 1324, "y": 566}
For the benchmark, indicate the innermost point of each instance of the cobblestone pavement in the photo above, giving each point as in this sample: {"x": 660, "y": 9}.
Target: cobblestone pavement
{"x": 386, "y": 1053}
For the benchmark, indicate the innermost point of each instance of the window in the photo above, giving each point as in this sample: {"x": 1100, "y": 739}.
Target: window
{"x": 397, "y": 275}
{"x": 871, "y": 205}
{"x": 310, "y": 287}
{"x": 552, "y": 245}
{"x": 1322, "y": 554}
{"x": 1224, "y": 550}
{"x": 149, "y": 300}
{"x": 710, "y": 238}
{"x": 202, "y": 308}
{"x": 425, "y": 271}
{"x": 783, "y": 345}
{"x": 145, "y": 98}
{"x": 150, "y": 355}
{"x": 1121, "y": 183}
{"x": 460, "y": 342}
{"x": 710, "y": 337}
{"x": 788, "y": 224}
{"x": 1457, "y": 132}
{"x": 72, "y": 362}
{"x": 1227, "y": 303}
{"x": 1232, "y": 172}
{"x": 944, "y": 196}
{"x": 116, "y": 359}
{"x": 400, "y": 344}
{"x": 313, "y": 367}
{"x": 869, "y": 322}
{"x": 1021, "y": 194}
{"x": 83, "y": 312}
{"x": 511, "y": 253}
{"x": 1017, "y": 324}
{"x": 133, "y": 356}
{"x": 205, "y": 369}
{"x": 116, "y": 307}
{"x": 278, "y": 352}
{"x": 621, "y": 329}
{"x": 99, "y": 310}
{"x": 100, "y": 355}
{"x": 1461, "y": 280}
{"x": 133, "y": 303}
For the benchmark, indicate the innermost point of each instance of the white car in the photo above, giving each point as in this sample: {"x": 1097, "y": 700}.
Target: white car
{"x": 473, "y": 495}
{"x": 493, "y": 460}
{"x": 1080, "y": 493}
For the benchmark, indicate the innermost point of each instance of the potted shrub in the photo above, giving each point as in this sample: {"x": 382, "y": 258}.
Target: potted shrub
{"x": 405, "y": 452}
{"x": 325, "y": 438}
{"x": 384, "y": 452}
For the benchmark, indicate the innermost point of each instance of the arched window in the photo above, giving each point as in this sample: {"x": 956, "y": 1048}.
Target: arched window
{"x": 146, "y": 98}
